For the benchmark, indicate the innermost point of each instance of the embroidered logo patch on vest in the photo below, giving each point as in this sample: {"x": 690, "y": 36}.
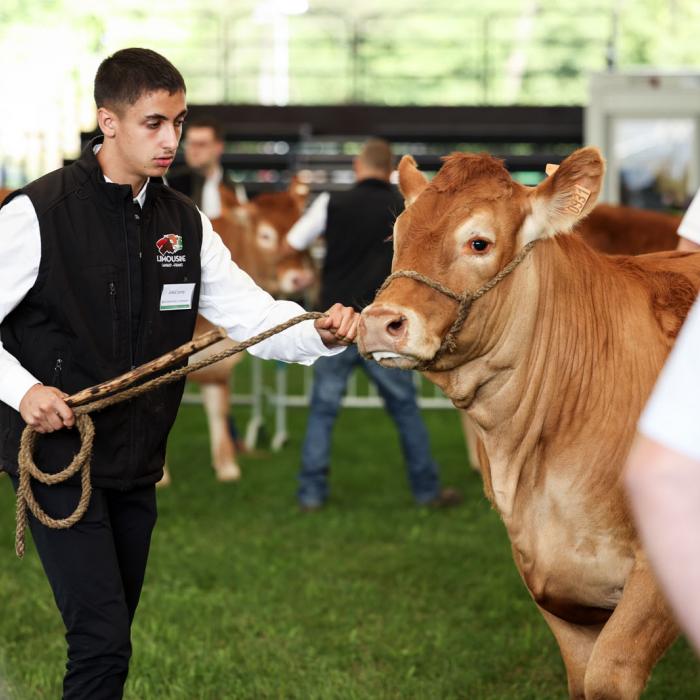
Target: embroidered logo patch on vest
{"x": 168, "y": 245}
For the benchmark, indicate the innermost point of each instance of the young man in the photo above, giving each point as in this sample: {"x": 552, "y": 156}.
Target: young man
{"x": 203, "y": 179}
{"x": 357, "y": 225}
{"x": 94, "y": 257}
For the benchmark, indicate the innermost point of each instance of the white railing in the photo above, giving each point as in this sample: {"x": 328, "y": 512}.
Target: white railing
{"x": 277, "y": 395}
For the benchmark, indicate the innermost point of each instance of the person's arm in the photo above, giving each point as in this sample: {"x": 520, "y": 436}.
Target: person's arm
{"x": 687, "y": 245}
{"x": 230, "y": 298}
{"x": 311, "y": 225}
{"x": 664, "y": 492}
{"x": 663, "y": 477}
{"x": 41, "y": 407}
{"x": 689, "y": 228}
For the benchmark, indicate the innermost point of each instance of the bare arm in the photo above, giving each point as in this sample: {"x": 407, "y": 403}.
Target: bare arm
{"x": 664, "y": 491}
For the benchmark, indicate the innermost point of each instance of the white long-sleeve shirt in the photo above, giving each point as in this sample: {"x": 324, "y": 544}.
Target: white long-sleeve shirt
{"x": 690, "y": 223}
{"x": 228, "y": 297}
{"x": 311, "y": 225}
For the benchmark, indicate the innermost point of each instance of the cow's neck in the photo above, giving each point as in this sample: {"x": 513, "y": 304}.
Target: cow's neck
{"x": 546, "y": 385}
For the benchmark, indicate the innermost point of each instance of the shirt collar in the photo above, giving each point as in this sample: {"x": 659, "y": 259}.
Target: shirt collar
{"x": 217, "y": 176}
{"x": 141, "y": 196}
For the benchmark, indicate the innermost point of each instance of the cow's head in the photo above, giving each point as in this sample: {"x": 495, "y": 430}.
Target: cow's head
{"x": 460, "y": 230}
{"x": 257, "y": 231}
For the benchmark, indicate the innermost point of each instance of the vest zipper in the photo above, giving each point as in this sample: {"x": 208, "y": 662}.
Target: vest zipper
{"x": 128, "y": 290}
{"x": 132, "y": 469}
{"x": 115, "y": 319}
{"x": 57, "y": 370}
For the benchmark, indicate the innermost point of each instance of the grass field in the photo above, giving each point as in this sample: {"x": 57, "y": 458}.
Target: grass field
{"x": 247, "y": 598}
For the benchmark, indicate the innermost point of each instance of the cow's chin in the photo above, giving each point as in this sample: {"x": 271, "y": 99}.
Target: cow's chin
{"x": 395, "y": 360}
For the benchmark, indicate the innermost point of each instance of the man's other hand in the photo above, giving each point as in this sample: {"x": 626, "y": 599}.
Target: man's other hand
{"x": 339, "y": 327}
{"x": 44, "y": 409}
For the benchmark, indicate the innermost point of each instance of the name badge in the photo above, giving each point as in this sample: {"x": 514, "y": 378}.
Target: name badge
{"x": 177, "y": 296}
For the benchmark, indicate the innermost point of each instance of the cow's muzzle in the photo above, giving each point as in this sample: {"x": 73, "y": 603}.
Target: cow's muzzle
{"x": 391, "y": 327}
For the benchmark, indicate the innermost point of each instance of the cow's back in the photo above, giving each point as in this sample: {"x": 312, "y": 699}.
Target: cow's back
{"x": 619, "y": 230}
{"x": 673, "y": 281}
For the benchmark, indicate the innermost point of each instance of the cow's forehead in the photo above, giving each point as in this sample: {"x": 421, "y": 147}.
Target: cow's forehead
{"x": 479, "y": 175}
{"x": 442, "y": 210}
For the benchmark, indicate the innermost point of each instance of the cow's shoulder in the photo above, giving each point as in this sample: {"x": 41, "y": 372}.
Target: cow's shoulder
{"x": 672, "y": 280}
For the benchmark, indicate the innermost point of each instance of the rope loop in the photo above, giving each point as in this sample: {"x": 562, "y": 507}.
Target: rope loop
{"x": 28, "y": 469}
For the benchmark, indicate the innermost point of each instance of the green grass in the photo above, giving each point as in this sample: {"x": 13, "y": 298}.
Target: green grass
{"x": 247, "y": 598}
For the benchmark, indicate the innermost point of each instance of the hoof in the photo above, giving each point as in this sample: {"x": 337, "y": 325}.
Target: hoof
{"x": 228, "y": 472}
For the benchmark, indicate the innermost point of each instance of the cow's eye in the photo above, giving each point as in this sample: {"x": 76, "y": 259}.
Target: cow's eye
{"x": 480, "y": 245}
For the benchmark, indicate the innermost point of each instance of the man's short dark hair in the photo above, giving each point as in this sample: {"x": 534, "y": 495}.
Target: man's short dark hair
{"x": 376, "y": 154}
{"x": 129, "y": 74}
{"x": 208, "y": 123}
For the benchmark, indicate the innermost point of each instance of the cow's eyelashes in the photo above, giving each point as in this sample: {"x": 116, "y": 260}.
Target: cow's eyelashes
{"x": 480, "y": 245}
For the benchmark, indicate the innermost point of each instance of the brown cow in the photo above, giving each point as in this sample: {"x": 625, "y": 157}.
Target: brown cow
{"x": 553, "y": 365}
{"x": 254, "y": 233}
{"x": 615, "y": 230}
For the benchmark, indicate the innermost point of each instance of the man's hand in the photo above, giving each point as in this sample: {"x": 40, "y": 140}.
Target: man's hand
{"x": 339, "y": 327}
{"x": 44, "y": 409}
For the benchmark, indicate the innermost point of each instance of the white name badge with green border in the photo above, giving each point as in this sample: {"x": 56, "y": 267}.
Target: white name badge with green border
{"x": 176, "y": 297}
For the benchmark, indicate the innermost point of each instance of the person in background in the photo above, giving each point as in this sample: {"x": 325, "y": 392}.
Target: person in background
{"x": 663, "y": 478}
{"x": 357, "y": 226}
{"x": 689, "y": 228}
{"x": 203, "y": 179}
{"x": 663, "y": 470}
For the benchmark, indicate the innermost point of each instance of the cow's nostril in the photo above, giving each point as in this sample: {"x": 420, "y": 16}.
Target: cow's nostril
{"x": 396, "y": 326}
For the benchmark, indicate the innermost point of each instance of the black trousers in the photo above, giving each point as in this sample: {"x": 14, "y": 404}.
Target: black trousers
{"x": 96, "y": 571}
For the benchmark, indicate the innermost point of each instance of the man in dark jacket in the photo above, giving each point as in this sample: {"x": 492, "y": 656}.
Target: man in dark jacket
{"x": 203, "y": 179}
{"x": 103, "y": 269}
{"x": 357, "y": 226}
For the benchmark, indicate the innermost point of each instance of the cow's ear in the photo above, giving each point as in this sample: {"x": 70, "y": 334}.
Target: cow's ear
{"x": 566, "y": 196}
{"x": 299, "y": 192}
{"x": 411, "y": 180}
{"x": 240, "y": 216}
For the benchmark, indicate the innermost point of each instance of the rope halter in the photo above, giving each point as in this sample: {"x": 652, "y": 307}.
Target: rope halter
{"x": 464, "y": 301}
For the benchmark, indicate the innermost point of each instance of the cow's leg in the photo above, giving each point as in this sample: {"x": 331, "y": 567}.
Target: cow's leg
{"x": 638, "y": 632}
{"x": 470, "y": 440}
{"x": 576, "y": 644}
{"x": 223, "y": 451}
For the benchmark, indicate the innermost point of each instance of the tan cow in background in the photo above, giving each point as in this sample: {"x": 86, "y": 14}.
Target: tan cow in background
{"x": 619, "y": 230}
{"x": 553, "y": 366}
{"x": 254, "y": 233}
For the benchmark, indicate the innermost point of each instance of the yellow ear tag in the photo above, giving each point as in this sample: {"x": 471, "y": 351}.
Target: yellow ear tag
{"x": 579, "y": 198}
{"x": 580, "y": 195}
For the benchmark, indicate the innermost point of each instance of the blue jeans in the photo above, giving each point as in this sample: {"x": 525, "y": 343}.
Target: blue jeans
{"x": 398, "y": 391}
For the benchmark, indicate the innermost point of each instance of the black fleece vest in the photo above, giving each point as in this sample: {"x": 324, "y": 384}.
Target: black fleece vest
{"x": 358, "y": 249}
{"x": 95, "y": 312}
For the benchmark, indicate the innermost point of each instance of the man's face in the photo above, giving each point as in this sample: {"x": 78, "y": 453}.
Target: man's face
{"x": 147, "y": 133}
{"x": 202, "y": 149}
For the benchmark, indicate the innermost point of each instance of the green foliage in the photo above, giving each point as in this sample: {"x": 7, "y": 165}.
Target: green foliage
{"x": 372, "y": 597}
{"x": 501, "y": 52}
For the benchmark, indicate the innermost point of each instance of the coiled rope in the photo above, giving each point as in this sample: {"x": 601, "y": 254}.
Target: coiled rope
{"x": 81, "y": 462}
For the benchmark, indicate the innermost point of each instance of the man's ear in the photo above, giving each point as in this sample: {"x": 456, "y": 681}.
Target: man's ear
{"x": 411, "y": 180}
{"x": 107, "y": 121}
{"x": 566, "y": 196}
